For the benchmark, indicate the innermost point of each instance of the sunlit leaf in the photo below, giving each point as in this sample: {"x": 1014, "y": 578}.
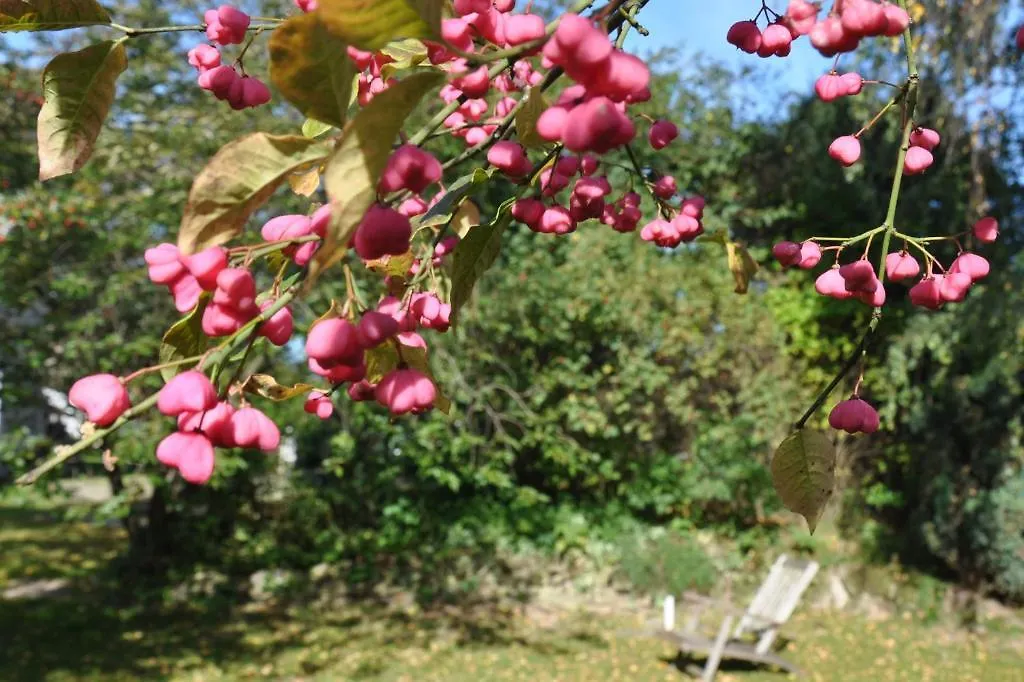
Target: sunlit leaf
{"x": 466, "y": 218}
{"x": 267, "y": 386}
{"x": 305, "y": 182}
{"x": 314, "y": 128}
{"x": 50, "y": 15}
{"x": 237, "y": 180}
{"x": 372, "y": 24}
{"x": 78, "y": 89}
{"x": 742, "y": 266}
{"x": 310, "y": 67}
{"x": 803, "y": 473}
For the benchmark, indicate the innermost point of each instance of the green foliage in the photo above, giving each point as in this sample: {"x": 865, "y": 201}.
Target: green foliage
{"x": 371, "y": 24}
{"x": 667, "y": 563}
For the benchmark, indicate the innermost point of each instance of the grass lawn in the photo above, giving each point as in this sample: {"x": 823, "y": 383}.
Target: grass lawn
{"x": 90, "y": 633}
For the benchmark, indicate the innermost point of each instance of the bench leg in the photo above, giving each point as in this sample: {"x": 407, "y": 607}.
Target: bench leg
{"x": 715, "y": 655}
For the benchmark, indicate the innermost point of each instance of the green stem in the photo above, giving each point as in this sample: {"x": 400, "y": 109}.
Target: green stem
{"x": 910, "y": 103}
{"x": 131, "y": 32}
{"x": 155, "y": 368}
{"x": 65, "y": 453}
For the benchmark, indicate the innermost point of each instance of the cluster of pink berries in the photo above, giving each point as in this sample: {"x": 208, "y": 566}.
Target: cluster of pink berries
{"x": 226, "y": 25}
{"x": 336, "y": 350}
{"x": 846, "y": 150}
{"x": 205, "y": 422}
{"x": 858, "y": 280}
{"x": 840, "y": 31}
{"x": 233, "y": 303}
{"x": 591, "y": 115}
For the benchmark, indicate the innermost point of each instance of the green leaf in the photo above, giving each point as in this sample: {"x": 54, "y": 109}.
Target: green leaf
{"x": 267, "y": 386}
{"x": 78, "y": 89}
{"x": 372, "y": 24}
{"x": 405, "y": 54}
{"x": 183, "y": 340}
{"x": 239, "y": 178}
{"x": 50, "y": 15}
{"x": 527, "y": 116}
{"x": 311, "y": 68}
{"x": 476, "y": 253}
{"x": 393, "y": 266}
{"x": 381, "y": 360}
{"x": 441, "y": 212}
{"x": 803, "y": 473}
{"x": 352, "y": 172}
{"x": 314, "y": 128}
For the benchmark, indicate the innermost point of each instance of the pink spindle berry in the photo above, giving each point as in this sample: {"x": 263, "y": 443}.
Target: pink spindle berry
{"x": 745, "y": 35}
{"x": 972, "y": 265}
{"x": 863, "y": 18}
{"x": 319, "y": 404}
{"x": 925, "y": 138}
{"x": 928, "y": 293}
{"x": 787, "y": 253}
{"x": 474, "y": 84}
{"x": 854, "y": 416}
{"x": 306, "y": 5}
{"x": 250, "y": 428}
{"x": 845, "y": 150}
{"x": 859, "y": 276}
{"x": 897, "y": 20}
{"x": 985, "y": 230}
{"x": 226, "y": 25}
{"x": 190, "y": 453}
{"x": 204, "y": 57}
{"x": 954, "y": 286}
{"x": 523, "y": 28}
{"x": 278, "y": 329}
{"x": 102, "y": 397}
{"x": 775, "y": 40}
{"x": 830, "y": 283}
{"x": 556, "y": 220}
{"x": 800, "y": 17}
{"x": 188, "y": 392}
{"x": 918, "y": 160}
{"x": 665, "y": 187}
{"x": 406, "y": 390}
{"x": 215, "y": 424}
{"x": 206, "y": 265}
{"x": 382, "y": 232}
{"x": 186, "y": 292}
{"x": 361, "y": 391}
{"x": 901, "y": 266}
{"x": 375, "y": 328}
{"x": 851, "y": 84}
{"x": 528, "y": 211}
{"x": 333, "y": 341}
{"x": 1019, "y": 39}
{"x": 810, "y": 255}
{"x": 829, "y": 87}
{"x": 164, "y": 264}
{"x": 510, "y": 158}
{"x": 662, "y": 134}
{"x": 410, "y": 168}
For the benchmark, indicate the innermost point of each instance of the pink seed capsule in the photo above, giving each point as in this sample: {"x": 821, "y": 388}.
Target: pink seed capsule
{"x": 845, "y": 150}
{"x": 188, "y": 392}
{"x": 102, "y": 397}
